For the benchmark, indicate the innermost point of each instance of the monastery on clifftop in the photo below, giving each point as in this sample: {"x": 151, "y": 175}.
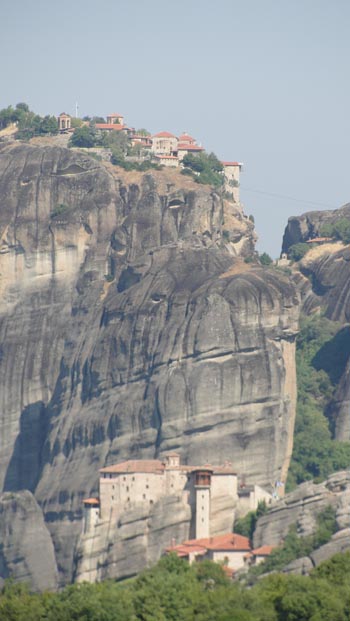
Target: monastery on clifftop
{"x": 145, "y": 481}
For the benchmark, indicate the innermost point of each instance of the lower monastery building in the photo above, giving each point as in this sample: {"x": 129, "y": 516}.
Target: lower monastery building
{"x": 205, "y": 489}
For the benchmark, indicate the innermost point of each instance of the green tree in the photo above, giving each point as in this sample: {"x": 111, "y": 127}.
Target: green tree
{"x": 321, "y": 357}
{"x": 7, "y": 116}
{"x": 342, "y": 230}
{"x": 246, "y": 525}
{"x": 97, "y": 119}
{"x": 48, "y": 125}
{"x": 22, "y": 106}
{"x": 83, "y": 137}
{"x": 76, "y": 122}
{"x": 204, "y": 168}
{"x": 265, "y": 259}
{"x": 298, "y": 251}
{"x": 327, "y": 230}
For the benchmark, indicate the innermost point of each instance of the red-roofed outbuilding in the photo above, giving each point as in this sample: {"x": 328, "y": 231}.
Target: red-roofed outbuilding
{"x": 229, "y": 548}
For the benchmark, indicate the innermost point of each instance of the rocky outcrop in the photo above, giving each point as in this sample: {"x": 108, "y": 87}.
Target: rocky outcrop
{"x": 26, "y": 549}
{"x": 309, "y": 225}
{"x": 130, "y": 325}
{"x": 322, "y": 277}
{"x": 301, "y": 508}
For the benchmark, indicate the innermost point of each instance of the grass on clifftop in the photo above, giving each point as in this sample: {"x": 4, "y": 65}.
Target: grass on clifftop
{"x": 322, "y": 353}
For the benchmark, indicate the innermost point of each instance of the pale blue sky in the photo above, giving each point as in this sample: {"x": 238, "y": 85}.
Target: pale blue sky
{"x": 262, "y": 82}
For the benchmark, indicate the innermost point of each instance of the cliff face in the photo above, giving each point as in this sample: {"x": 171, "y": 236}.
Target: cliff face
{"x": 301, "y": 508}
{"x": 130, "y": 325}
{"x": 309, "y": 225}
{"x": 27, "y": 550}
{"x": 323, "y": 281}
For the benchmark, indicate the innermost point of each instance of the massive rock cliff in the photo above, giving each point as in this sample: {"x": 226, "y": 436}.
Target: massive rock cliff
{"x": 323, "y": 277}
{"x": 309, "y": 225}
{"x": 130, "y": 325}
{"x": 301, "y": 508}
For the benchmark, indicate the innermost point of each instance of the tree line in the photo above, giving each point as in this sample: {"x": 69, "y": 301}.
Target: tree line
{"x": 175, "y": 591}
{"x": 28, "y": 123}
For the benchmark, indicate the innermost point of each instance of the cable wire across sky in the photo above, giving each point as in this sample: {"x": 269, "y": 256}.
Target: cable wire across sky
{"x": 288, "y": 198}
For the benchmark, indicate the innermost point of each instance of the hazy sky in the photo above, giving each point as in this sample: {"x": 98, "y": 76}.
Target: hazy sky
{"x": 265, "y": 82}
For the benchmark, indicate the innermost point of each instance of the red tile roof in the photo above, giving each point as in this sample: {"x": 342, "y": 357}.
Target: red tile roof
{"x": 230, "y": 541}
{"x": 226, "y": 543}
{"x": 189, "y": 147}
{"x": 184, "y": 549}
{"x": 231, "y": 164}
{"x": 164, "y": 135}
{"x": 116, "y": 114}
{"x": 156, "y": 465}
{"x": 263, "y": 551}
{"x": 318, "y": 239}
{"x": 186, "y": 138}
{"x": 91, "y": 501}
{"x": 115, "y": 126}
{"x": 226, "y": 469}
{"x": 136, "y": 465}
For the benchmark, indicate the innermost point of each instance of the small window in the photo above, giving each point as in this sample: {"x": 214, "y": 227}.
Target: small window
{"x": 128, "y": 499}
{"x": 112, "y": 497}
{"x": 202, "y": 519}
{"x": 124, "y": 478}
{"x": 127, "y": 488}
{"x": 203, "y": 496}
{"x": 172, "y": 485}
{"x": 133, "y": 478}
{"x": 147, "y": 486}
{"x": 144, "y": 496}
{"x": 202, "y": 508}
{"x": 113, "y": 486}
{"x": 151, "y": 502}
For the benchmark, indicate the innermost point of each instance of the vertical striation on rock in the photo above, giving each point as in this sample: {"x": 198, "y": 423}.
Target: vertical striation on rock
{"x": 129, "y": 325}
{"x": 26, "y": 549}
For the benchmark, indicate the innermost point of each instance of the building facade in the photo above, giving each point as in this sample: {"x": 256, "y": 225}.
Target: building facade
{"x": 64, "y": 122}
{"x": 208, "y": 490}
{"x": 232, "y": 173}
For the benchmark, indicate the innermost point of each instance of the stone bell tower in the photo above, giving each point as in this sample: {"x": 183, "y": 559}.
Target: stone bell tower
{"x": 202, "y": 487}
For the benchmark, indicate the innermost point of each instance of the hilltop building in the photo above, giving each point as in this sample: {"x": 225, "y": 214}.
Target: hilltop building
{"x": 206, "y": 489}
{"x": 164, "y": 143}
{"x": 64, "y": 122}
{"x": 115, "y": 117}
{"x": 164, "y": 147}
{"x": 232, "y": 172}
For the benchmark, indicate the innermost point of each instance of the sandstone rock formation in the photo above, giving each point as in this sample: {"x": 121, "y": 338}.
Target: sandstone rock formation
{"x": 301, "y": 507}
{"x": 323, "y": 281}
{"x": 26, "y": 553}
{"x": 130, "y": 325}
{"x": 308, "y": 225}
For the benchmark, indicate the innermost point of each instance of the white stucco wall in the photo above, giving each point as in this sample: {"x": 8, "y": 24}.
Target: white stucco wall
{"x": 202, "y": 512}
{"x": 232, "y": 174}
{"x": 164, "y": 145}
{"x": 91, "y": 517}
{"x": 234, "y": 559}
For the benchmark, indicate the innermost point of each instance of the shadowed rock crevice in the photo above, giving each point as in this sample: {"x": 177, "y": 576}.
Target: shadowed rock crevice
{"x": 26, "y": 462}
